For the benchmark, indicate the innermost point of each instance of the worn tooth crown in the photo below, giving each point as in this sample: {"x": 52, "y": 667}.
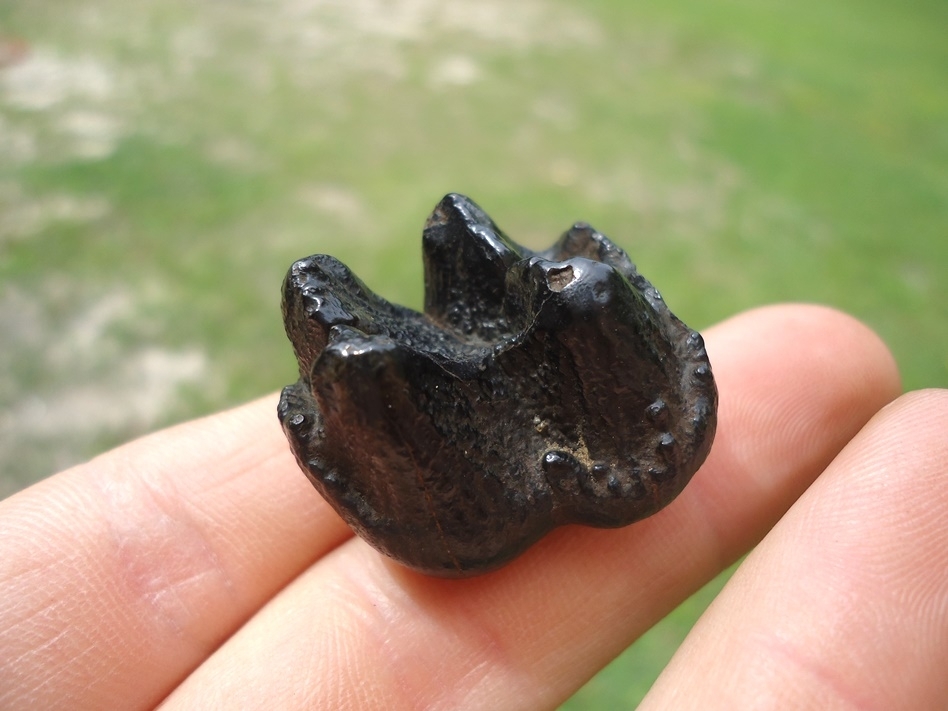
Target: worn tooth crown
{"x": 537, "y": 389}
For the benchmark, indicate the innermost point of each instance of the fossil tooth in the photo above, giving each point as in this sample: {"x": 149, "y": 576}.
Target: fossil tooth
{"x": 537, "y": 389}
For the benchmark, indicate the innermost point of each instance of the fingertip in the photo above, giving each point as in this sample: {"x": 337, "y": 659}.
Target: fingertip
{"x": 843, "y": 604}
{"x": 814, "y": 359}
{"x": 796, "y": 383}
{"x": 892, "y": 473}
{"x": 920, "y": 410}
{"x": 820, "y": 333}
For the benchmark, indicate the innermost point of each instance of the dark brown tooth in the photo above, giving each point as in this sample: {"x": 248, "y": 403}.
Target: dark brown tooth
{"x": 536, "y": 389}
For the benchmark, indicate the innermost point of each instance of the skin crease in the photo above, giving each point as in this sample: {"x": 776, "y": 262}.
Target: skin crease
{"x": 197, "y": 568}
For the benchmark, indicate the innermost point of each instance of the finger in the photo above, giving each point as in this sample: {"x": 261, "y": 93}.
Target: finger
{"x": 845, "y": 604}
{"x": 122, "y": 575}
{"x": 356, "y": 631}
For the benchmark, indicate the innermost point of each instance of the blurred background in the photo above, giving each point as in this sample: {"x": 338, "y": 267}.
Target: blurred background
{"x": 163, "y": 162}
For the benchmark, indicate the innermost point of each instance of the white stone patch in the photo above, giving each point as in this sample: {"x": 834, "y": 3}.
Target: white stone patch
{"x": 22, "y": 216}
{"x": 44, "y": 80}
{"x": 84, "y": 105}
{"x": 457, "y": 70}
{"x": 71, "y": 100}
{"x": 521, "y": 24}
{"x": 22, "y": 326}
{"x": 564, "y": 172}
{"x": 93, "y": 134}
{"x": 84, "y": 342}
{"x": 235, "y": 152}
{"x": 137, "y": 393}
{"x": 190, "y": 47}
{"x": 334, "y": 200}
{"x": 360, "y": 29}
{"x": 91, "y": 382}
{"x": 17, "y": 144}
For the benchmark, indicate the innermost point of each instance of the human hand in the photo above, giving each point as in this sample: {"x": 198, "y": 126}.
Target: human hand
{"x": 199, "y": 567}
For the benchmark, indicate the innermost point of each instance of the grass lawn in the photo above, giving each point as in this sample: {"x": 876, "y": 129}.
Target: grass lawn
{"x": 163, "y": 162}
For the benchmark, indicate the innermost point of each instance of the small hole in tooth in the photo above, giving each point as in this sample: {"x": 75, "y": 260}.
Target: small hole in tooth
{"x": 559, "y": 279}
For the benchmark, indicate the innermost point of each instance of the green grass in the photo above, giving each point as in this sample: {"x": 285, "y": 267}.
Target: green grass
{"x": 742, "y": 153}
